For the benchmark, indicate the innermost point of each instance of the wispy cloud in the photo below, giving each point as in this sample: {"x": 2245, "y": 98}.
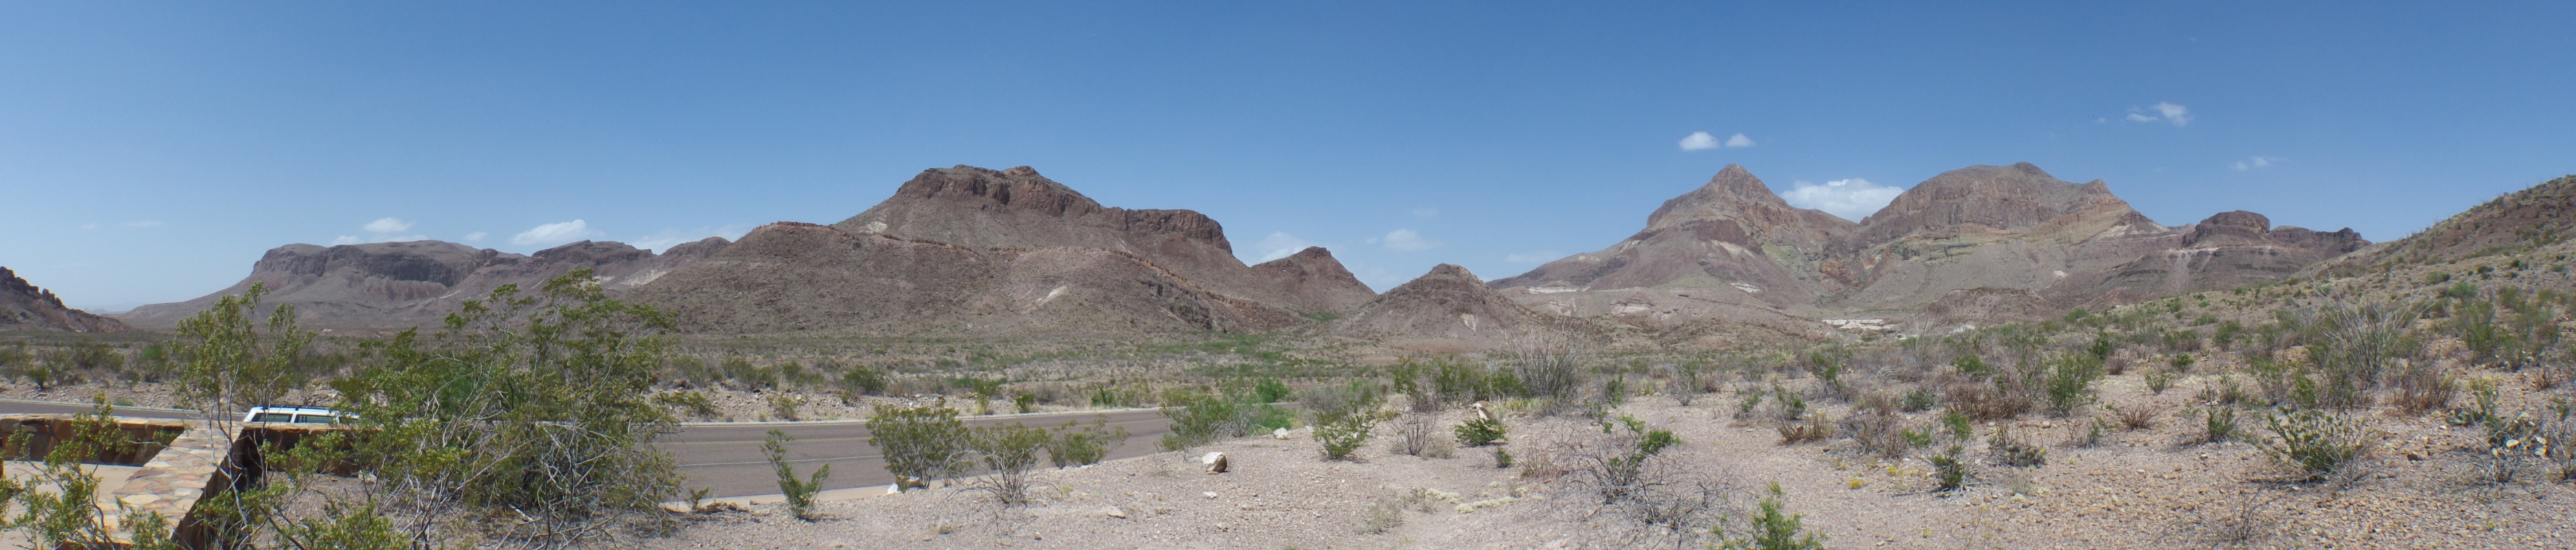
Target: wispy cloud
{"x": 1703, "y": 140}
{"x": 1535, "y": 257}
{"x": 91, "y": 225}
{"x": 383, "y": 230}
{"x": 476, "y": 236}
{"x": 1850, "y": 199}
{"x": 387, "y": 225}
{"x": 1405, "y": 240}
{"x": 2167, "y": 111}
{"x": 2253, "y": 162}
{"x": 555, "y": 233}
{"x": 1278, "y": 245}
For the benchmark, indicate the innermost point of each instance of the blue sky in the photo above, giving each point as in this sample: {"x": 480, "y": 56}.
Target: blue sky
{"x": 152, "y": 151}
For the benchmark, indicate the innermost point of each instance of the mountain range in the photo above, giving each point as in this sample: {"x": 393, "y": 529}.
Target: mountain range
{"x": 1010, "y": 252}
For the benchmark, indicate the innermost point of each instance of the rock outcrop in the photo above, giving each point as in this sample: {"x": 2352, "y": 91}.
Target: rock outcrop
{"x": 2228, "y": 250}
{"x": 417, "y": 283}
{"x": 25, "y": 307}
{"x": 2539, "y": 216}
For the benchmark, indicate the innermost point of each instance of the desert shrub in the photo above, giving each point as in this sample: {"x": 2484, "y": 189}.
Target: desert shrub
{"x": 1949, "y": 472}
{"x": 1384, "y": 515}
{"x": 233, "y": 360}
{"x": 1550, "y": 372}
{"x": 2011, "y": 451}
{"x": 799, "y": 492}
{"x": 1959, "y": 425}
{"x": 1479, "y": 432}
{"x": 1419, "y": 434}
{"x": 1004, "y": 454}
{"x": 2069, "y": 383}
{"x": 1814, "y": 429}
{"x": 794, "y": 374}
{"x": 1343, "y": 436}
{"x": 1972, "y": 367}
{"x": 2316, "y": 443}
{"x": 1335, "y": 401}
{"x": 1983, "y": 401}
{"x": 2158, "y": 381}
{"x": 1502, "y": 458}
{"x": 1615, "y": 475}
{"x": 2351, "y": 345}
{"x": 743, "y": 375}
{"x": 1772, "y": 528}
{"x": 785, "y": 406}
{"x": 1686, "y": 385}
{"x": 2423, "y": 386}
{"x": 1878, "y": 431}
{"x": 1200, "y": 418}
{"x": 1792, "y": 406}
{"x": 2218, "y": 424}
{"x": 917, "y": 442}
{"x": 1918, "y": 400}
{"x": 1270, "y": 390}
{"x": 1024, "y": 402}
{"x": 1077, "y": 444}
{"x": 689, "y": 401}
{"x": 2139, "y": 417}
{"x": 863, "y": 380}
{"x": 538, "y": 405}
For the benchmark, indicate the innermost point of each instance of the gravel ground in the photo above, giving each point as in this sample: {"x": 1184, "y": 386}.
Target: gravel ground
{"x": 2136, "y": 489}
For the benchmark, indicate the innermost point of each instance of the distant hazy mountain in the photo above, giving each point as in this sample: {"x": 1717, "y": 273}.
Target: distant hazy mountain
{"x": 417, "y": 283}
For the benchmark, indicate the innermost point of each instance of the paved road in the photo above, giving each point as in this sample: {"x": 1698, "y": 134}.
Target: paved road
{"x": 727, "y": 456}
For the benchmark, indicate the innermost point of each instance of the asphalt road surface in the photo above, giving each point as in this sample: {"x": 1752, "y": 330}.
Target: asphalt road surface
{"x": 727, "y": 457}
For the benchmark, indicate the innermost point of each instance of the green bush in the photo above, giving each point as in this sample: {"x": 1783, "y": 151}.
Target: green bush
{"x": 917, "y": 442}
{"x": 1344, "y": 435}
{"x": 799, "y": 493}
{"x": 1948, "y": 472}
{"x": 2316, "y": 443}
{"x": 1918, "y": 400}
{"x": 690, "y": 401}
{"x": 2070, "y": 382}
{"x": 2014, "y": 452}
{"x": 1479, "y": 432}
{"x": 1616, "y": 476}
{"x": 1003, "y": 455}
{"x": 1502, "y": 458}
{"x": 1775, "y": 529}
{"x": 1075, "y": 444}
{"x": 864, "y": 380}
{"x": 2218, "y": 425}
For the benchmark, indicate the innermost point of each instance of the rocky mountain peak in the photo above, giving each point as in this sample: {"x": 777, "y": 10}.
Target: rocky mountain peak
{"x": 1733, "y": 194}
{"x": 24, "y": 306}
{"x": 1017, "y": 208}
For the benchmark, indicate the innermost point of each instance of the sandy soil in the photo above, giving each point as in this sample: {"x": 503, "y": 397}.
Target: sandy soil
{"x": 2136, "y": 489}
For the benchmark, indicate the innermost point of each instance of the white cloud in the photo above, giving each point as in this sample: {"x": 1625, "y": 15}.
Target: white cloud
{"x": 555, "y": 234}
{"x": 476, "y": 236}
{"x": 1278, "y": 245}
{"x": 2253, "y": 162}
{"x": 1408, "y": 240}
{"x": 143, "y": 223}
{"x": 388, "y": 225}
{"x": 1538, "y": 257}
{"x": 1738, "y": 140}
{"x": 1850, "y": 199}
{"x": 1426, "y": 212}
{"x": 2176, "y": 114}
{"x": 659, "y": 242}
{"x": 2166, "y": 111}
{"x": 91, "y": 225}
{"x": 1699, "y": 140}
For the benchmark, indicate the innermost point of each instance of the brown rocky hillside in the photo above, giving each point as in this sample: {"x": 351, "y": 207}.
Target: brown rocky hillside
{"x": 24, "y": 307}
{"x": 1001, "y": 252}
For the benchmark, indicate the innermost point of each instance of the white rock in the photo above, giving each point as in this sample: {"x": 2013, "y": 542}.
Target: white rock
{"x": 1215, "y": 462}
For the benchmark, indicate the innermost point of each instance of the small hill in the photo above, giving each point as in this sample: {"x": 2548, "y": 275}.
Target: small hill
{"x": 25, "y": 307}
{"x": 1450, "y": 305}
{"x": 414, "y": 284}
